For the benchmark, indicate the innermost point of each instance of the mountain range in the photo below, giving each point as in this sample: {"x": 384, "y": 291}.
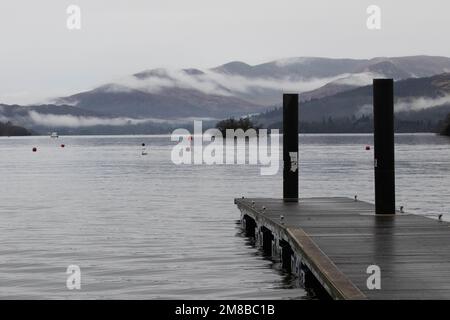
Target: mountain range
{"x": 157, "y": 99}
{"x": 425, "y": 100}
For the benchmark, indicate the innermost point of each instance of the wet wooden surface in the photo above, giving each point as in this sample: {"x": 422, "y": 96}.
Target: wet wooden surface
{"x": 412, "y": 251}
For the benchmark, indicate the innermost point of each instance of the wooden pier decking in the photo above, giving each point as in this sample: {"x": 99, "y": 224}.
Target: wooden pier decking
{"x": 338, "y": 238}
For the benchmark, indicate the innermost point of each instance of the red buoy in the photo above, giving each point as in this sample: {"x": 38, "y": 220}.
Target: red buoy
{"x": 34, "y": 149}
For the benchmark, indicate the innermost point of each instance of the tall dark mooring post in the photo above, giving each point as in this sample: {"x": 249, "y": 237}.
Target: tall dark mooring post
{"x": 383, "y": 121}
{"x": 290, "y": 147}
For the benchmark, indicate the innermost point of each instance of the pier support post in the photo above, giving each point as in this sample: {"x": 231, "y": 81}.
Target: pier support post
{"x": 286, "y": 256}
{"x": 290, "y": 147}
{"x": 267, "y": 238}
{"x": 383, "y": 120}
{"x": 249, "y": 226}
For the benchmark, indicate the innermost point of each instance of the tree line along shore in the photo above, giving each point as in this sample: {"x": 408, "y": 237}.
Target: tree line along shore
{"x": 446, "y": 127}
{"x": 9, "y": 129}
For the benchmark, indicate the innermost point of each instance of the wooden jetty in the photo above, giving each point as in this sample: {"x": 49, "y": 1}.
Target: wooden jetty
{"x": 347, "y": 248}
{"x": 337, "y": 239}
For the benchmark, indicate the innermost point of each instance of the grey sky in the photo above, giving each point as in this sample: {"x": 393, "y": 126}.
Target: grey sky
{"x": 40, "y": 57}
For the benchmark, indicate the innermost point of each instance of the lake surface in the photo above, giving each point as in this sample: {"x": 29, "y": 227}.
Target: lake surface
{"x": 140, "y": 227}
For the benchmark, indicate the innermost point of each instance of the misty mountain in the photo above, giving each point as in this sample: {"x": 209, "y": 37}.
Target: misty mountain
{"x": 237, "y": 88}
{"x": 17, "y": 111}
{"x": 24, "y": 115}
{"x": 311, "y": 67}
{"x": 416, "y": 99}
{"x": 329, "y": 89}
{"x": 67, "y": 119}
{"x": 167, "y": 103}
{"x": 158, "y": 97}
{"x": 349, "y": 72}
{"x": 385, "y": 69}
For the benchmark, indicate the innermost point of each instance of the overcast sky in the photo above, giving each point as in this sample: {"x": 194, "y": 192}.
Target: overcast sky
{"x": 40, "y": 57}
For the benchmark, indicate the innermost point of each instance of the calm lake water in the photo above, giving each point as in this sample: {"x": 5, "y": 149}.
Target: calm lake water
{"x": 141, "y": 227}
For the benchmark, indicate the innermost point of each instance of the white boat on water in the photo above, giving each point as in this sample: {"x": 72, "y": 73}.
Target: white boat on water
{"x": 54, "y": 135}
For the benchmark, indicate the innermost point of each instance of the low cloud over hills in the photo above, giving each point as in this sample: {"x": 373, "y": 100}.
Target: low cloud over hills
{"x": 328, "y": 87}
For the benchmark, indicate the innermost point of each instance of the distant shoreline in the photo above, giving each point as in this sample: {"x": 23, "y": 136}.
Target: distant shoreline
{"x": 169, "y": 134}
{"x": 7, "y": 129}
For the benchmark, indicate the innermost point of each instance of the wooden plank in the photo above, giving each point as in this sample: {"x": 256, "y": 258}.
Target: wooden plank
{"x": 342, "y": 237}
{"x": 330, "y": 274}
